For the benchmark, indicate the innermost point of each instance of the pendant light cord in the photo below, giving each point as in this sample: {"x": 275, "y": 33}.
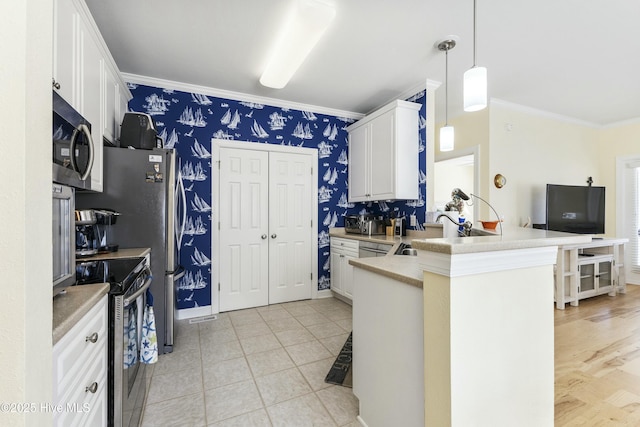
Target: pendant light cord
{"x": 446, "y": 87}
{"x": 474, "y": 33}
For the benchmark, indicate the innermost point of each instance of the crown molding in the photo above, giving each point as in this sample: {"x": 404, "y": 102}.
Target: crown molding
{"x": 409, "y": 92}
{"x": 621, "y": 123}
{"x": 237, "y": 96}
{"x": 541, "y": 113}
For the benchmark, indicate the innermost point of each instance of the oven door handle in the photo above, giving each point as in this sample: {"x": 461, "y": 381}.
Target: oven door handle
{"x": 128, "y": 300}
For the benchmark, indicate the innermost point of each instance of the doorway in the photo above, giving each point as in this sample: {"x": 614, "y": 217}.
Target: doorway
{"x": 458, "y": 169}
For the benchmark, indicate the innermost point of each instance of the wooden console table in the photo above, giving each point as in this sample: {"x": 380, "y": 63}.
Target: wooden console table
{"x": 589, "y": 269}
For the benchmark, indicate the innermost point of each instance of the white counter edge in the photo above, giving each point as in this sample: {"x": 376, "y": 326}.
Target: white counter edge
{"x": 465, "y": 264}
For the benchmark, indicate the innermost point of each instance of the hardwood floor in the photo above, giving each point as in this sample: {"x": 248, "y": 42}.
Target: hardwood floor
{"x": 597, "y": 361}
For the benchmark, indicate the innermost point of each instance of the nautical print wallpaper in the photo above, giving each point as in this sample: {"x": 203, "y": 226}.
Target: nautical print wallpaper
{"x": 188, "y": 122}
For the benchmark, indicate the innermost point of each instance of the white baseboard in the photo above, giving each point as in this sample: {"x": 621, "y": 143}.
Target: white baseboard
{"x": 325, "y": 293}
{"x": 190, "y": 313}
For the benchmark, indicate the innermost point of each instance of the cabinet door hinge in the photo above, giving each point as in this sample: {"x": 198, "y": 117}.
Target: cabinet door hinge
{"x": 218, "y": 162}
{"x": 218, "y": 225}
{"x": 311, "y": 223}
{"x": 218, "y": 286}
{"x": 311, "y": 274}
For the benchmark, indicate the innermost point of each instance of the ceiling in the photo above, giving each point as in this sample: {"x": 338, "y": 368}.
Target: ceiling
{"x": 573, "y": 58}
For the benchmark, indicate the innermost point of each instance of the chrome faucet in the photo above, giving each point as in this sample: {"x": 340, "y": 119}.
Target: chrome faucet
{"x": 466, "y": 225}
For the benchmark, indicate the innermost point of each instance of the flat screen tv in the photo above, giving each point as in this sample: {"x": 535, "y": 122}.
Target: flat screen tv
{"x": 575, "y": 209}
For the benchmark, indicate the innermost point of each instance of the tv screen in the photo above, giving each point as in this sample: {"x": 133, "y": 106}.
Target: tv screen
{"x": 575, "y": 209}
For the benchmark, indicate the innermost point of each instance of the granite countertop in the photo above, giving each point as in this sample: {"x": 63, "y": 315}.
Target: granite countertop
{"x": 119, "y": 254}
{"x": 70, "y": 305}
{"x": 409, "y": 269}
{"x": 512, "y": 238}
{"x": 430, "y": 232}
{"x": 403, "y": 268}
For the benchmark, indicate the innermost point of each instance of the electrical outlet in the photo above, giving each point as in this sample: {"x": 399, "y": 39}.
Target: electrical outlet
{"x": 412, "y": 220}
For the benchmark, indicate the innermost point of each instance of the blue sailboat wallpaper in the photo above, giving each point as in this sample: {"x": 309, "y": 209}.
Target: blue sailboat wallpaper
{"x": 188, "y": 121}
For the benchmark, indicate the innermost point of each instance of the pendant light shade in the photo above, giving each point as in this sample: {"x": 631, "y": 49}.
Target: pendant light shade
{"x": 446, "y": 132}
{"x": 475, "y": 79}
{"x": 446, "y": 138}
{"x": 475, "y": 89}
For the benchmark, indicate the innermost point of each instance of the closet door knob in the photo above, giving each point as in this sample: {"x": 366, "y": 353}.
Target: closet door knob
{"x": 264, "y": 236}
{"x": 93, "y": 338}
{"x": 92, "y": 388}
{"x": 274, "y": 235}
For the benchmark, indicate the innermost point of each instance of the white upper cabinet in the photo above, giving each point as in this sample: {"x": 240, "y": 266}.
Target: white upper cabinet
{"x": 383, "y": 154}
{"x": 86, "y": 76}
{"x": 65, "y": 28}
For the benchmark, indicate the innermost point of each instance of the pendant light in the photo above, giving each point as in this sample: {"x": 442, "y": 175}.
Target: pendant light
{"x": 446, "y": 132}
{"x": 475, "y": 79}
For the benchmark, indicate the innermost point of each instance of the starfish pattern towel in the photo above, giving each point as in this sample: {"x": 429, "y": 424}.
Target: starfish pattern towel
{"x": 149, "y": 345}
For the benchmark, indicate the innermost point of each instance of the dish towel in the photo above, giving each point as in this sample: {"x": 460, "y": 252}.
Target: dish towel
{"x": 131, "y": 342}
{"x": 149, "y": 350}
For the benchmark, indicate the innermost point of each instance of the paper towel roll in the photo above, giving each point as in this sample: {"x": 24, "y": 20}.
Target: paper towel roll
{"x": 449, "y": 229}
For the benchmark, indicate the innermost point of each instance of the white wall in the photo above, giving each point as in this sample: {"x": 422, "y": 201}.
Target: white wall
{"x": 616, "y": 141}
{"x": 25, "y": 209}
{"x": 532, "y": 150}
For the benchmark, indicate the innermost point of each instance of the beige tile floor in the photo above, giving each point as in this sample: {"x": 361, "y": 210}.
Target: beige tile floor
{"x": 256, "y": 367}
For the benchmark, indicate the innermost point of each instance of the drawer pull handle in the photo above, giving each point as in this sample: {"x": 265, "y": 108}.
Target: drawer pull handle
{"x": 93, "y": 338}
{"x": 92, "y": 388}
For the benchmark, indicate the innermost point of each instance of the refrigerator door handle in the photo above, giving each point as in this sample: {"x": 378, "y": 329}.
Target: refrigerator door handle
{"x": 183, "y": 199}
{"x": 180, "y": 272}
{"x": 171, "y": 280}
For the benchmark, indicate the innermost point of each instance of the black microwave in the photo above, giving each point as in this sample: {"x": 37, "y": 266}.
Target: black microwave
{"x": 73, "y": 149}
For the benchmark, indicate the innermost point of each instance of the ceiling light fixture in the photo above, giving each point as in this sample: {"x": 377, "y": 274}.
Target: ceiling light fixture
{"x": 307, "y": 23}
{"x": 475, "y": 79}
{"x": 446, "y": 132}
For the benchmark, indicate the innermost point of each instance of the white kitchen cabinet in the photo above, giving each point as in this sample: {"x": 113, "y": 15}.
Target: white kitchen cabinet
{"x": 65, "y": 23}
{"x": 116, "y": 100}
{"x": 86, "y": 76}
{"x": 343, "y": 250}
{"x": 383, "y": 154}
{"x": 80, "y": 371}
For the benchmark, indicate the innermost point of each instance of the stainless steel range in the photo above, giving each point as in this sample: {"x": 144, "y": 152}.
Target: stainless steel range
{"x": 129, "y": 278}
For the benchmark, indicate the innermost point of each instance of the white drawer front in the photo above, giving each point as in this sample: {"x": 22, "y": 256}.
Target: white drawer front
{"x": 79, "y": 404}
{"x": 73, "y": 353}
{"x": 344, "y": 243}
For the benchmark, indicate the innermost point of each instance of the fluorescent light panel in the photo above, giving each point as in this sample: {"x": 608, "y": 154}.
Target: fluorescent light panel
{"x": 306, "y": 25}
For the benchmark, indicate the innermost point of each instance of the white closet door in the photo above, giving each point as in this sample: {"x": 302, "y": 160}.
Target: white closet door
{"x": 244, "y": 228}
{"x": 290, "y": 193}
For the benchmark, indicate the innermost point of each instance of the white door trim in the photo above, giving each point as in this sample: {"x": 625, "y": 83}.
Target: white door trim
{"x": 621, "y": 201}
{"x": 216, "y": 144}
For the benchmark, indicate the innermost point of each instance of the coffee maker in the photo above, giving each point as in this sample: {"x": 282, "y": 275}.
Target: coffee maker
{"x": 105, "y": 218}
{"x": 93, "y": 231}
{"x": 85, "y": 222}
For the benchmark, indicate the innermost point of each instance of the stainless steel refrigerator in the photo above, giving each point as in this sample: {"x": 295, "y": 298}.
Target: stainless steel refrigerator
{"x": 146, "y": 188}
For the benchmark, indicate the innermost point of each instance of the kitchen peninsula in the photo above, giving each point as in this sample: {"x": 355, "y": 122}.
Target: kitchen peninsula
{"x": 461, "y": 334}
